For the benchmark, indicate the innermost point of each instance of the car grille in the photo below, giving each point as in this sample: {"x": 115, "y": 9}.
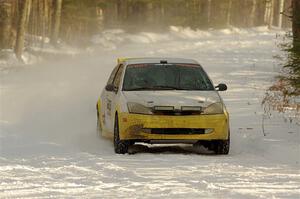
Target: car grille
{"x": 176, "y": 112}
{"x": 176, "y": 131}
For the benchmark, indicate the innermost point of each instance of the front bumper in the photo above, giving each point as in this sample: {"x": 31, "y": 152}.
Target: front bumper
{"x": 136, "y": 126}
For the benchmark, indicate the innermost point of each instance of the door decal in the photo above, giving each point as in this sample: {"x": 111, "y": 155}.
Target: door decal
{"x": 108, "y": 107}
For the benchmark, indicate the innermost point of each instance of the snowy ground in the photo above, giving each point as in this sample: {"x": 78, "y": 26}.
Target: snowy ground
{"x": 49, "y": 146}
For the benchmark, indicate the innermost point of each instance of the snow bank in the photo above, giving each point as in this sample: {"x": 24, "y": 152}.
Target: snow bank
{"x": 34, "y": 55}
{"x": 110, "y": 39}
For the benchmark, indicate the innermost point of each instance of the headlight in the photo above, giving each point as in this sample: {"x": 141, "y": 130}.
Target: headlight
{"x": 138, "y": 108}
{"x": 216, "y": 108}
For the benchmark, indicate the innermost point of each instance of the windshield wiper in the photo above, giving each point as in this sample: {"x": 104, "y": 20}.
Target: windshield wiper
{"x": 156, "y": 87}
{"x": 140, "y": 88}
{"x": 167, "y": 87}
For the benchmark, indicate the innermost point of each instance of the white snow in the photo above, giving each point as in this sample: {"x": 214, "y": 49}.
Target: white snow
{"x": 49, "y": 146}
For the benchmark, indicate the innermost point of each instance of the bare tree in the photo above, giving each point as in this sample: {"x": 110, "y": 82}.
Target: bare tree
{"x": 253, "y": 13}
{"x": 269, "y": 12}
{"x": 5, "y": 23}
{"x": 150, "y": 12}
{"x": 56, "y": 21}
{"x": 229, "y": 13}
{"x": 281, "y": 9}
{"x": 22, "y": 24}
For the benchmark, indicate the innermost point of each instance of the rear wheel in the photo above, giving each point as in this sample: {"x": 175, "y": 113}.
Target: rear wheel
{"x": 121, "y": 146}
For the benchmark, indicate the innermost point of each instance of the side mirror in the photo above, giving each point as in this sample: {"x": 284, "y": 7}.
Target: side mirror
{"x": 221, "y": 87}
{"x": 110, "y": 88}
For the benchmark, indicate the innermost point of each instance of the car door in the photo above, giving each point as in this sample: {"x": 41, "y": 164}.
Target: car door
{"x": 111, "y": 99}
{"x": 106, "y": 104}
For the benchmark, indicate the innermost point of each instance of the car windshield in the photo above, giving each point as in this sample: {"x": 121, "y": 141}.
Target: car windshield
{"x": 166, "y": 77}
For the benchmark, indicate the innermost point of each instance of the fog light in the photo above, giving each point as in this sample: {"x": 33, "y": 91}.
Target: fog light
{"x": 191, "y": 108}
{"x": 164, "y": 108}
{"x": 207, "y": 131}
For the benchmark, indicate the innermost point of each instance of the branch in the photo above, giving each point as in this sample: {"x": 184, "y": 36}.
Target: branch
{"x": 289, "y": 16}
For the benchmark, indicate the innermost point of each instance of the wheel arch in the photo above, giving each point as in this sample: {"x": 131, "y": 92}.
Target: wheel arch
{"x": 116, "y": 116}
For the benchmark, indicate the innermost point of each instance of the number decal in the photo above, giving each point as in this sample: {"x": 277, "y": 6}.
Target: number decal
{"x": 108, "y": 107}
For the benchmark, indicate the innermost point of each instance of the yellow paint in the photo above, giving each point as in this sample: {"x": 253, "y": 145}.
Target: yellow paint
{"x": 122, "y": 59}
{"x": 99, "y": 104}
{"x": 133, "y": 128}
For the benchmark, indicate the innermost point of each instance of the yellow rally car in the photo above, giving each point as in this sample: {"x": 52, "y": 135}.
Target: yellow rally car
{"x": 163, "y": 100}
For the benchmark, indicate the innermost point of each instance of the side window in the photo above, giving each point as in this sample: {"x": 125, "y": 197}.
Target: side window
{"x": 112, "y": 75}
{"x": 117, "y": 79}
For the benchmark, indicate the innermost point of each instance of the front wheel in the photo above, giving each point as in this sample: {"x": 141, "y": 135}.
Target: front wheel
{"x": 121, "y": 146}
{"x": 221, "y": 147}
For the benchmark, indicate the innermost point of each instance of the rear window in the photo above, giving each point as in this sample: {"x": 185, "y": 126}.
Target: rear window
{"x": 166, "y": 77}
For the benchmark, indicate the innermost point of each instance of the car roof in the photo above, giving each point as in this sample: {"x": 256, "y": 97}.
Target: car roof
{"x": 153, "y": 60}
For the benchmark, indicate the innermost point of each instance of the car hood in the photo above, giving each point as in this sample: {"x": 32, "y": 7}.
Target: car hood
{"x": 173, "y": 98}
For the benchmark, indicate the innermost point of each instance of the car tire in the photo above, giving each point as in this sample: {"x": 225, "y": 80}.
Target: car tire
{"x": 121, "y": 146}
{"x": 221, "y": 147}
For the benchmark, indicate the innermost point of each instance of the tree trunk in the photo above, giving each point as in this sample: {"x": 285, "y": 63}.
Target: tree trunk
{"x": 281, "y": 9}
{"x": 267, "y": 12}
{"x": 5, "y": 23}
{"x": 208, "y": 11}
{"x": 150, "y": 13}
{"x": 272, "y": 13}
{"x": 162, "y": 10}
{"x": 296, "y": 20}
{"x": 228, "y": 21}
{"x": 56, "y": 21}
{"x": 286, "y": 20}
{"x": 253, "y": 13}
{"x": 26, "y": 4}
{"x": 44, "y": 13}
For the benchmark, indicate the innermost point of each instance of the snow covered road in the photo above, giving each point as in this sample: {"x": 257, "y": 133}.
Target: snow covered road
{"x": 49, "y": 146}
